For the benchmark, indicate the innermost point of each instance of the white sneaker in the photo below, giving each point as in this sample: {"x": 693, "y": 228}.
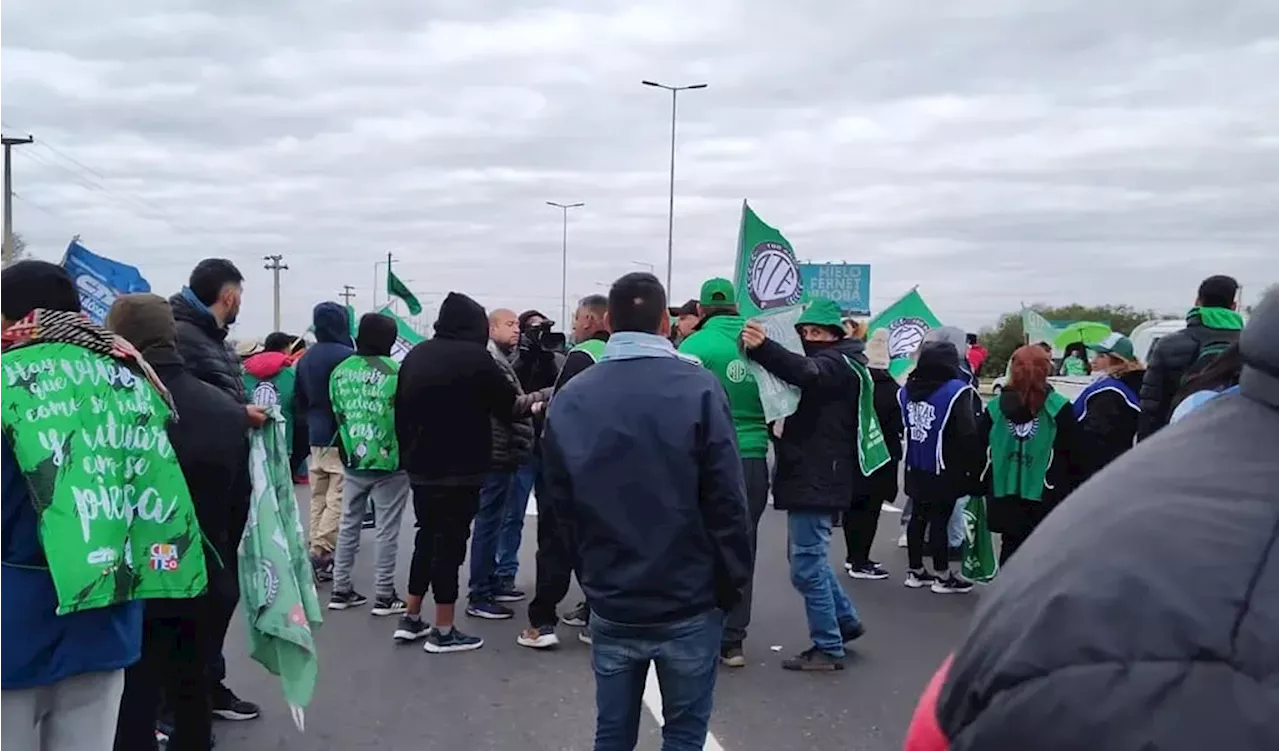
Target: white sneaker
{"x": 919, "y": 579}
{"x": 538, "y": 638}
{"x": 902, "y": 540}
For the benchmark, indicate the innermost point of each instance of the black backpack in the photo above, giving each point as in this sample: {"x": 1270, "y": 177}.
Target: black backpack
{"x": 1208, "y": 351}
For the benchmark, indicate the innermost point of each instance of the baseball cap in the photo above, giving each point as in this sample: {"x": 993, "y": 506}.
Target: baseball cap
{"x": 1115, "y": 344}
{"x": 717, "y": 291}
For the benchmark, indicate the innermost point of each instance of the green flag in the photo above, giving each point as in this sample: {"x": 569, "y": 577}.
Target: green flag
{"x": 276, "y": 585}
{"x": 980, "y": 563}
{"x": 906, "y": 322}
{"x": 396, "y": 288}
{"x": 766, "y": 275}
{"x": 1037, "y": 329}
{"x": 406, "y": 337}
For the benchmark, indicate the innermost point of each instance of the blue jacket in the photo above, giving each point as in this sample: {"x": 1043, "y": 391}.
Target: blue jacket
{"x": 311, "y": 390}
{"x": 641, "y": 468}
{"x": 39, "y": 647}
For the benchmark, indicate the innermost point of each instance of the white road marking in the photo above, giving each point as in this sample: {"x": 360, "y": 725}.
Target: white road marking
{"x": 653, "y": 702}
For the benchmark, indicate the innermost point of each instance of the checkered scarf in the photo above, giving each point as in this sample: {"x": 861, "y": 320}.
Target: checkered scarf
{"x": 64, "y": 327}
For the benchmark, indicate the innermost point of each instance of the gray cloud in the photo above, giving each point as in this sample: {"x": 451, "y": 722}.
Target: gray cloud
{"x": 992, "y": 152}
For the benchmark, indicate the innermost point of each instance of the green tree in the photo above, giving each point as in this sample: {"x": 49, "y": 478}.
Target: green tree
{"x": 1007, "y": 335}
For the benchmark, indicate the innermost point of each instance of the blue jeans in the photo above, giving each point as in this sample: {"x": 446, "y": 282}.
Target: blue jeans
{"x": 684, "y": 655}
{"x": 955, "y": 527}
{"x": 484, "y": 537}
{"x": 826, "y": 605}
{"x": 513, "y": 520}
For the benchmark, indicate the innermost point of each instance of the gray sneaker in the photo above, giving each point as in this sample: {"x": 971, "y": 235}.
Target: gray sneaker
{"x": 454, "y": 641}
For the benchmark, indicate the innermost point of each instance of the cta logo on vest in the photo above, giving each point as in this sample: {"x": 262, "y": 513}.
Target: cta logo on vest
{"x": 164, "y": 556}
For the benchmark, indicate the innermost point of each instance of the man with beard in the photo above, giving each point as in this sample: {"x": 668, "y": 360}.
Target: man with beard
{"x": 203, "y": 311}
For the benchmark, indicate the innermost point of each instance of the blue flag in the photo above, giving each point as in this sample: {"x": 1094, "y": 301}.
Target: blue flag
{"x": 100, "y": 280}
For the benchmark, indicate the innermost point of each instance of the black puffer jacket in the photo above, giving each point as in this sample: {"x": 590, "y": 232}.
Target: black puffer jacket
{"x": 1168, "y": 362}
{"x": 1108, "y": 428}
{"x": 1142, "y": 613}
{"x": 202, "y": 343}
{"x": 449, "y": 387}
{"x": 817, "y": 467}
{"x": 513, "y": 438}
{"x": 884, "y": 481}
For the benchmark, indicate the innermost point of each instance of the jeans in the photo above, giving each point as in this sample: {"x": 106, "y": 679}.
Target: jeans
{"x": 75, "y": 714}
{"x": 756, "y": 474}
{"x": 444, "y": 514}
{"x": 684, "y": 655}
{"x": 512, "y": 529}
{"x": 494, "y": 492}
{"x": 389, "y": 493}
{"x": 955, "y": 526}
{"x": 826, "y": 606}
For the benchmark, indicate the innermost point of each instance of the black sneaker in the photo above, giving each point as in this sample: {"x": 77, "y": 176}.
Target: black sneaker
{"x": 951, "y": 585}
{"x": 322, "y": 566}
{"x": 228, "y": 706}
{"x": 454, "y": 641}
{"x": 868, "y": 570}
{"x": 368, "y": 522}
{"x": 732, "y": 656}
{"x": 539, "y": 637}
{"x": 388, "y": 605}
{"x": 813, "y": 660}
{"x": 490, "y": 611}
{"x": 410, "y": 628}
{"x": 507, "y": 592}
{"x": 584, "y": 635}
{"x": 851, "y": 630}
{"x": 343, "y": 600}
{"x": 577, "y": 617}
{"x": 918, "y": 579}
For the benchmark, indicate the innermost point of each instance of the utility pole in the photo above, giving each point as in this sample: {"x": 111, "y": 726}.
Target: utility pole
{"x": 275, "y": 267}
{"x": 348, "y": 292}
{"x": 9, "y": 143}
{"x": 564, "y": 257}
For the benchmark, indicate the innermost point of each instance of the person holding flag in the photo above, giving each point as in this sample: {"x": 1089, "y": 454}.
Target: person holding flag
{"x": 816, "y": 473}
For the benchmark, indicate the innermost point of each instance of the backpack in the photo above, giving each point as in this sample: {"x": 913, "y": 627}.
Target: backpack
{"x": 1208, "y": 352}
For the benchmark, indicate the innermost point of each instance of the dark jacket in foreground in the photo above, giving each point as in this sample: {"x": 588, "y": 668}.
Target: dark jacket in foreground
{"x": 449, "y": 387}
{"x": 817, "y": 455}
{"x": 1172, "y": 355}
{"x": 884, "y": 481}
{"x": 641, "y": 466}
{"x": 210, "y": 439}
{"x": 202, "y": 343}
{"x": 1108, "y": 428}
{"x": 962, "y": 446}
{"x": 311, "y": 389}
{"x": 1142, "y": 612}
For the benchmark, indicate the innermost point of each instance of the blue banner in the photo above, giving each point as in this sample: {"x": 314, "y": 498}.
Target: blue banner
{"x": 848, "y": 284}
{"x": 99, "y": 280}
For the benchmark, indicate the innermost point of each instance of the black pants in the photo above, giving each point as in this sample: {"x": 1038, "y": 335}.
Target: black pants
{"x": 755, "y": 473}
{"x": 551, "y": 562}
{"x": 1015, "y": 519}
{"x": 861, "y": 521}
{"x": 930, "y": 514}
{"x": 224, "y": 591}
{"x": 444, "y": 514}
{"x": 173, "y": 661}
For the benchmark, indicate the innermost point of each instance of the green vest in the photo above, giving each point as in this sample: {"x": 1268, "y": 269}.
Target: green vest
{"x": 275, "y": 391}
{"x": 715, "y": 344}
{"x": 116, "y": 520}
{"x": 1022, "y": 454}
{"x": 362, "y": 390}
{"x": 593, "y": 347}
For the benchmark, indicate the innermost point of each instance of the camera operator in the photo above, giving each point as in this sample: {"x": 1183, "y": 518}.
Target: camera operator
{"x": 539, "y": 352}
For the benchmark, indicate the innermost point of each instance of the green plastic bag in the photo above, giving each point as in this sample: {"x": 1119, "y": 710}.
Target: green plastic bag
{"x": 980, "y": 562}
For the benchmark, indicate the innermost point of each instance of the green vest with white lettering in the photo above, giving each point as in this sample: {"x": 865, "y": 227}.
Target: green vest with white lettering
{"x": 362, "y": 390}
{"x": 116, "y": 520}
{"x": 594, "y": 348}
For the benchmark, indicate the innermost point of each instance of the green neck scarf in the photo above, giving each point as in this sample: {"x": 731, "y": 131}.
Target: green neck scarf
{"x": 1223, "y": 319}
{"x": 873, "y": 453}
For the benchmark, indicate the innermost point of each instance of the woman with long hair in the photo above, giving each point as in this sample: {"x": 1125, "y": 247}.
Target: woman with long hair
{"x": 1030, "y": 435}
{"x": 1108, "y": 409}
{"x": 1219, "y": 376}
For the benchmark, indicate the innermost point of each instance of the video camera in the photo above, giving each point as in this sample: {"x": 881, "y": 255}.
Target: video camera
{"x": 540, "y": 337}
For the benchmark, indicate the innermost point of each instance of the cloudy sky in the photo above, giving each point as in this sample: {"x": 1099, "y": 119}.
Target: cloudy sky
{"x": 991, "y": 151}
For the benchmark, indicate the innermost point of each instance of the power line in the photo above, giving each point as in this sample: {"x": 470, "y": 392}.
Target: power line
{"x": 347, "y": 293}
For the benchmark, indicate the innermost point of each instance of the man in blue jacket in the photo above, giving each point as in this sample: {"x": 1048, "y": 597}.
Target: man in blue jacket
{"x": 641, "y": 466}
{"x": 333, "y": 345}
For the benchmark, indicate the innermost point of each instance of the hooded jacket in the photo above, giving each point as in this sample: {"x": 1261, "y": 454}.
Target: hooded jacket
{"x": 1108, "y": 428}
{"x": 938, "y": 363}
{"x": 1142, "y": 613}
{"x": 202, "y": 343}
{"x": 333, "y": 345}
{"x": 1173, "y": 355}
{"x": 817, "y": 463}
{"x": 449, "y": 388}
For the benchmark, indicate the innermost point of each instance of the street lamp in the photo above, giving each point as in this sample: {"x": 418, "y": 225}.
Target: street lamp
{"x": 647, "y": 265}
{"x": 671, "y": 196}
{"x": 564, "y": 257}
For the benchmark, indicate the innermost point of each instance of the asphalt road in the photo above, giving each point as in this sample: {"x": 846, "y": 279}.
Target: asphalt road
{"x": 374, "y": 694}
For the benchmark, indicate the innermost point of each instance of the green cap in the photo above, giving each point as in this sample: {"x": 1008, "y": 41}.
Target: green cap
{"x": 822, "y": 312}
{"x": 717, "y": 292}
{"x": 1115, "y": 344}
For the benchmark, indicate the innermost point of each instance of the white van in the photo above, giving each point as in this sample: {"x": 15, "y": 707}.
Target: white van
{"x": 1146, "y": 334}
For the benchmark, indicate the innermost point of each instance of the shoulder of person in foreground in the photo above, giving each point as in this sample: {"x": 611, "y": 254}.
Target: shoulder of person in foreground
{"x": 1143, "y": 608}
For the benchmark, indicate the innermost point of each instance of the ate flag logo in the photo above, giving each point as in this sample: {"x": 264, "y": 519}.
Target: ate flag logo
{"x": 773, "y": 278}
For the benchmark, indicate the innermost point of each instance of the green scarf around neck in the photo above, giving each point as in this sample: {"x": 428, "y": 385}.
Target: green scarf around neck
{"x": 1223, "y": 319}
{"x": 873, "y": 452}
